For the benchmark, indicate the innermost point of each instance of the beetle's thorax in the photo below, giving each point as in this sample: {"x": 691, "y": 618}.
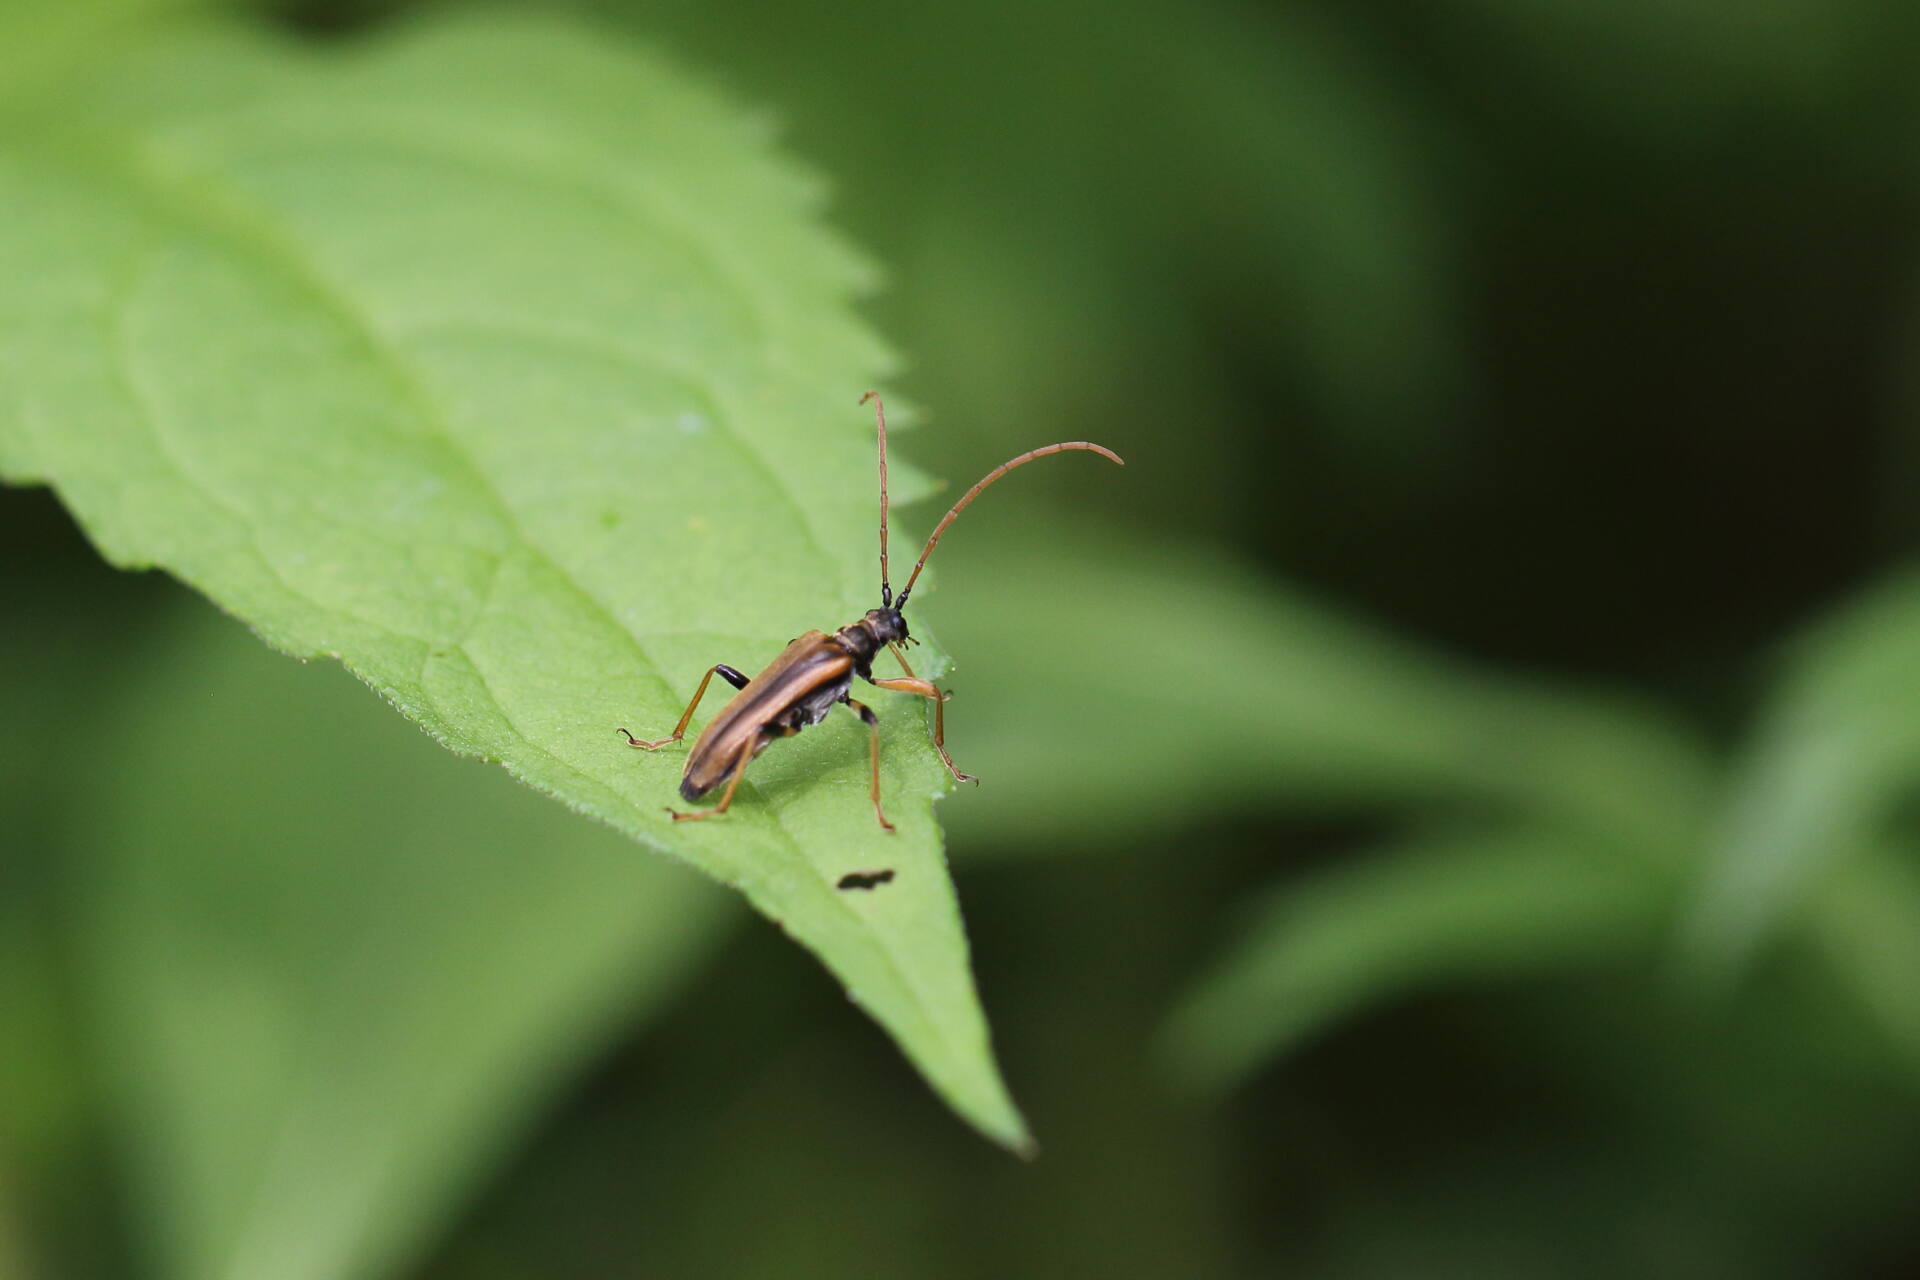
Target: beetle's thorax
{"x": 867, "y": 636}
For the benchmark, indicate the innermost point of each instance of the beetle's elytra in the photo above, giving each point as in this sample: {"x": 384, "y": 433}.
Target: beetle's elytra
{"x": 815, "y": 672}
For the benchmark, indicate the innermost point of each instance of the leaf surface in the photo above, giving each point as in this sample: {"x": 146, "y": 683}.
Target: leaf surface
{"x": 508, "y": 366}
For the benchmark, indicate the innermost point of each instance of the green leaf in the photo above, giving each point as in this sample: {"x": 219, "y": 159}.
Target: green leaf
{"x": 59, "y": 662}
{"x": 506, "y": 365}
{"x": 1866, "y": 919}
{"x": 45, "y": 39}
{"x": 332, "y": 970}
{"x": 1423, "y": 913}
{"x": 1836, "y": 753}
{"x": 1183, "y": 681}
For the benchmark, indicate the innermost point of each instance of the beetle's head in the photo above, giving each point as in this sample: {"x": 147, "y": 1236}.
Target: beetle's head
{"x": 887, "y": 625}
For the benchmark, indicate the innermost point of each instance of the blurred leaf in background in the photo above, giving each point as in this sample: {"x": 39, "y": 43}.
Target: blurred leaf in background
{"x": 1079, "y": 194}
{"x": 58, "y": 647}
{"x": 1182, "y": 682}
{"x": 1827, "y": 773}
{"x": 1440, "y": 910}
{"x": 330, "y": 970}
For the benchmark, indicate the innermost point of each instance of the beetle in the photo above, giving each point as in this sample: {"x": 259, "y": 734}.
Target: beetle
{"x": 814, "y": 673}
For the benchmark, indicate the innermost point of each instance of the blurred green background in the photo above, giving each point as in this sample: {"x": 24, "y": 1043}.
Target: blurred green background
{"x": 1454, "y": 812}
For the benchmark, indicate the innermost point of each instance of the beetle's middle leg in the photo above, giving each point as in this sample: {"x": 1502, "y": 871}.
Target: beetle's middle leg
{"x": 727, "y": 673}
{"x": 910, "y": 683}
{"x": 865, "y": 712}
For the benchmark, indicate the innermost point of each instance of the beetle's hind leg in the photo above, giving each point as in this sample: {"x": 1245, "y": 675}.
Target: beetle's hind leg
{"x": 865, "y": 712}
{"x": 739, "y": 771}
{"x": 727, "y": 673}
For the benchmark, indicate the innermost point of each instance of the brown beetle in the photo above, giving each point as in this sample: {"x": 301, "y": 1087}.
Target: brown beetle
{"x": 815, "y": 671}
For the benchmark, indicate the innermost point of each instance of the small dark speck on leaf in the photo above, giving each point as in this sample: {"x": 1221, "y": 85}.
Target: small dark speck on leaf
{"x": 865, "y": 879}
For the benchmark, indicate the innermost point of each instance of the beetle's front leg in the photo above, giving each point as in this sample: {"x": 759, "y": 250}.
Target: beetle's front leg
{"x": 926, "y": 689}
{"x": 727, "y": 673}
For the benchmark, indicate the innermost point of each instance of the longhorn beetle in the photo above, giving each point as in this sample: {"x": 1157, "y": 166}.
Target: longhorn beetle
{"x": 816, "y": 671}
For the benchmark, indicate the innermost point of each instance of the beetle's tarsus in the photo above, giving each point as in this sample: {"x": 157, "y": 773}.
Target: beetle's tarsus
{"x": 643, "y": 745}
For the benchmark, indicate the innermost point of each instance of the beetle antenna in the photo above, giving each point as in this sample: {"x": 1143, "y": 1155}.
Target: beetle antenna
{"x": 1045, "y": 449}
{"x": 880, "y": 414}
